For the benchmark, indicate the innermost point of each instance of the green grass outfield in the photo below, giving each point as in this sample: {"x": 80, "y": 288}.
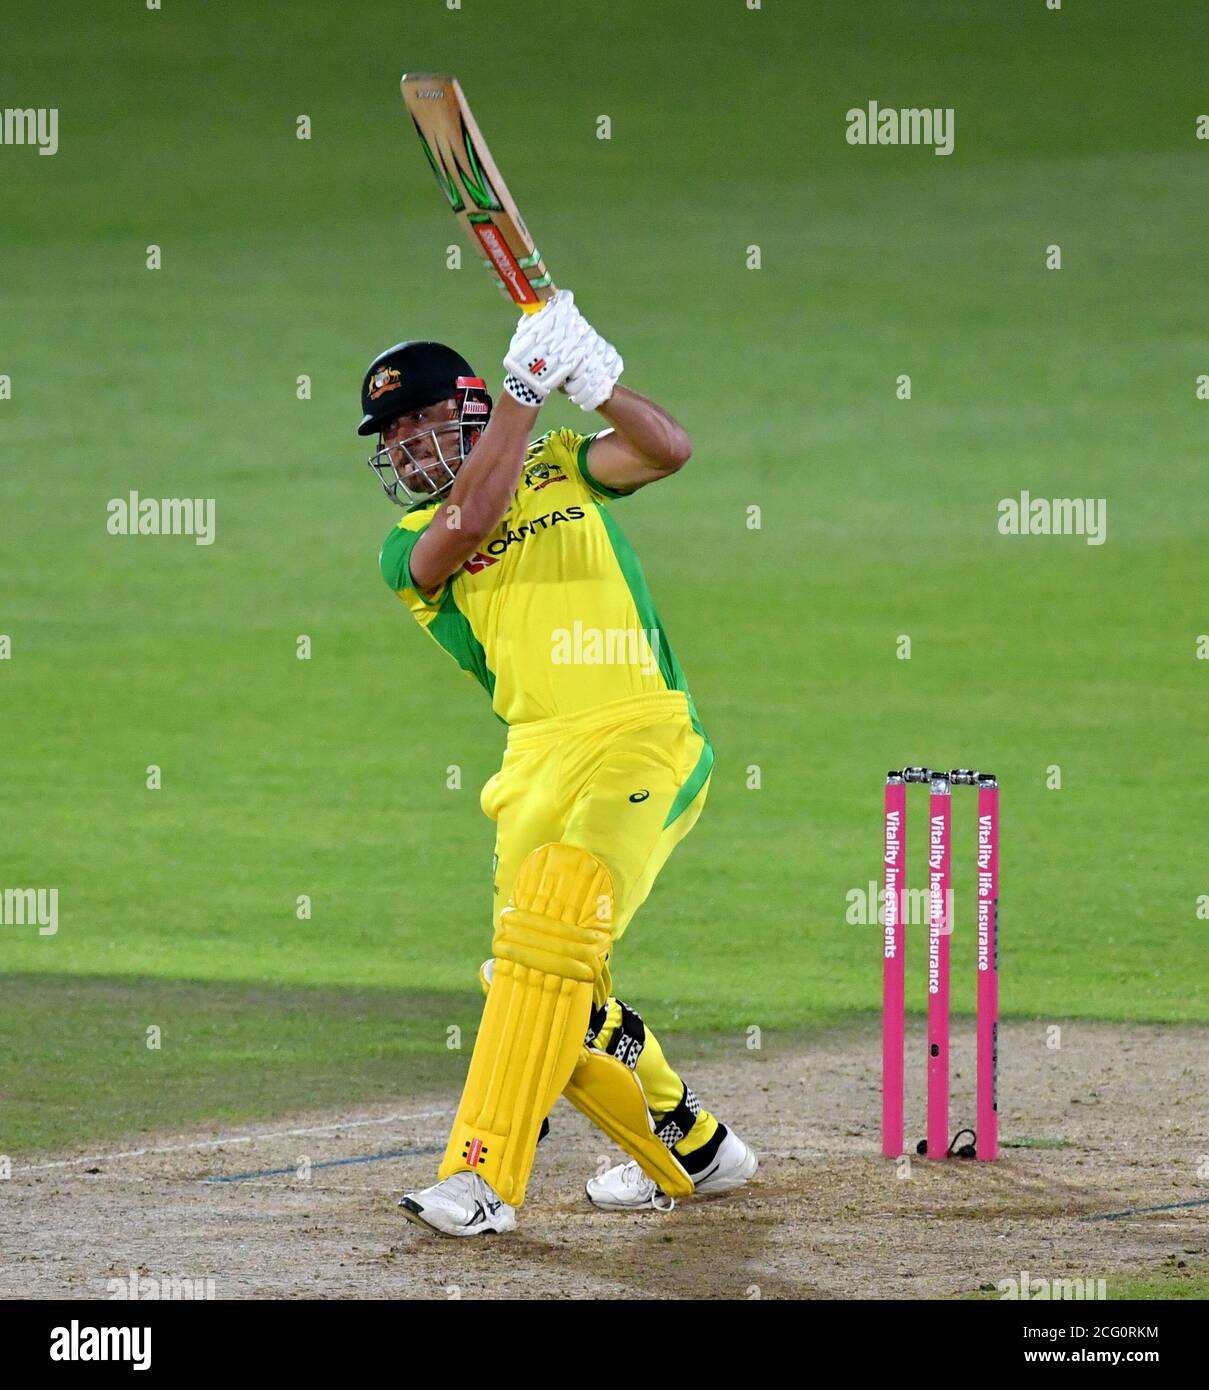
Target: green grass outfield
{"x": 328, "y": 777}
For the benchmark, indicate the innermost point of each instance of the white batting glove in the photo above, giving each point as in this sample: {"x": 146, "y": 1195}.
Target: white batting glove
{"x": 545, "y": 349}
{"x": 592, "y": 382}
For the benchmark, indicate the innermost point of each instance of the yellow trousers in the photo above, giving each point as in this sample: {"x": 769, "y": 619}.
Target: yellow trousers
{"x": 626, "y": 781}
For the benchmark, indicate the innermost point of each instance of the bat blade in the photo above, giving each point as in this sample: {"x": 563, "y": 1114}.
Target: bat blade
{"x": 474, "y": 188}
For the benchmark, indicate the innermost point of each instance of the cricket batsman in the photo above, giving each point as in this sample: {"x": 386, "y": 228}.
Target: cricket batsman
{"x": 508, "y": 555}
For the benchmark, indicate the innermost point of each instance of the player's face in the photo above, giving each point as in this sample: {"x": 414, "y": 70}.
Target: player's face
{"x": 419, "y": 453}
{"x": 420, "y": 438}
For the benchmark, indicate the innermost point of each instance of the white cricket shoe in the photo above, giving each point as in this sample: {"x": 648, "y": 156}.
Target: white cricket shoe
{"x": 734, "y": 1163}
{"x": 627, "y": 1187}
{"x": 462, "y": 1205}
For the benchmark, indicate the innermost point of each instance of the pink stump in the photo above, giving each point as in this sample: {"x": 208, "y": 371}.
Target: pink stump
{"x": 894, "y": 943}
{"x": 940, "y": 926}
{"x": 988, "y": 970}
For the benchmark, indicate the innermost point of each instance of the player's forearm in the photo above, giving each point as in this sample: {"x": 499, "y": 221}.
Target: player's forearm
{"x": 487, "y": 480}
{"x": 648, "y": 429}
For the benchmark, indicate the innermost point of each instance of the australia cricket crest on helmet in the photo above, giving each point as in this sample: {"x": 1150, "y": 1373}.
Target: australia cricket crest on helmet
{"x": 383, "y": 380}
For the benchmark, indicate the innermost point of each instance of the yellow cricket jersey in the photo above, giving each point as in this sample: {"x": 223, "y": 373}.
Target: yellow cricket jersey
{"x": 552, "y": 615}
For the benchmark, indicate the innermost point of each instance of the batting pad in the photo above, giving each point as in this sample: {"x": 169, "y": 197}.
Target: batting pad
{"x": 549, "y": 949}
{"x": 611, "y": 1096}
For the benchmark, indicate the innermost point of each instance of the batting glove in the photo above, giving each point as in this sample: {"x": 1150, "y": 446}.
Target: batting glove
{"x": 545, "y": 349}
{"x": 592, "y": 382}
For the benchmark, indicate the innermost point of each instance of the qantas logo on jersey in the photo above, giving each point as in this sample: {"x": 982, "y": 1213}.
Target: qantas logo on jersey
{"x": 499, "y": 547}
{"x": 478, "y": 561}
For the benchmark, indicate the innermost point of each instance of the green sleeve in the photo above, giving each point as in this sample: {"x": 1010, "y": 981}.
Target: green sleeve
{"x": 394, "y": 561}
{"x": 395, "y": 558}
{"x": 602, "y": 489}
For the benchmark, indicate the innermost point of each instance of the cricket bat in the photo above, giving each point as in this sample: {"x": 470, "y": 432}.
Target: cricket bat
{"x": 475, "y": 189}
